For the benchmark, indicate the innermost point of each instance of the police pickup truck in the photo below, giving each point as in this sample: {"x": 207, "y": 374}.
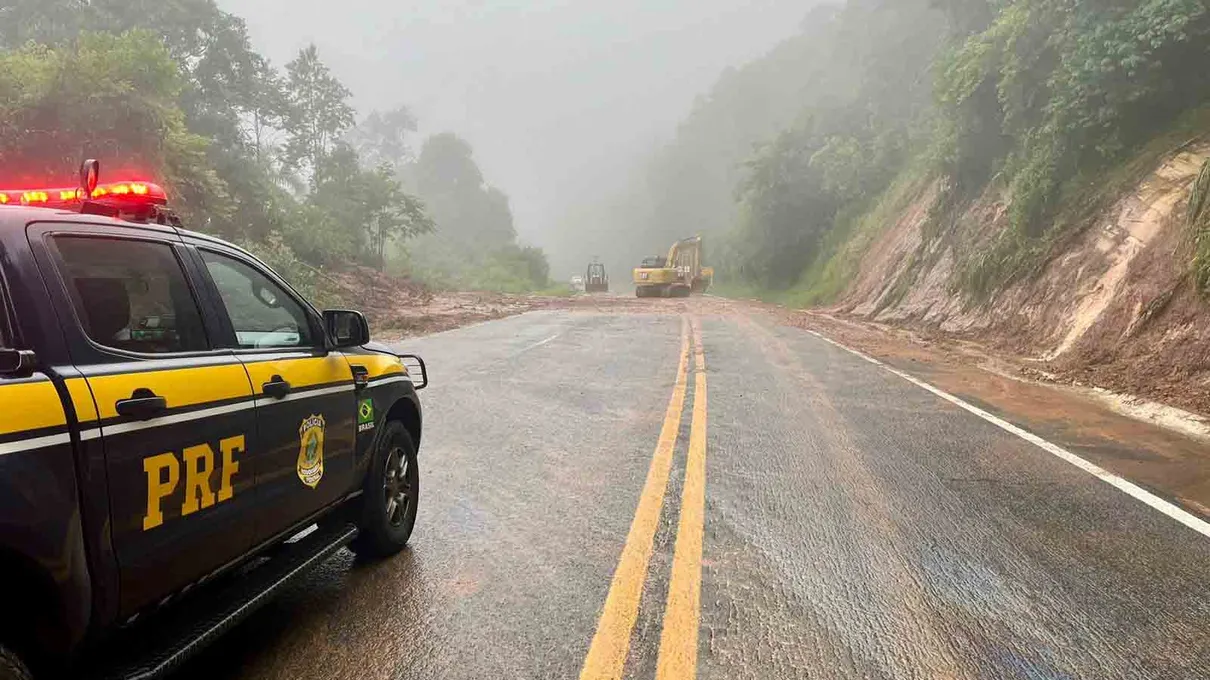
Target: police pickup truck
{"x": 181, "y": 434}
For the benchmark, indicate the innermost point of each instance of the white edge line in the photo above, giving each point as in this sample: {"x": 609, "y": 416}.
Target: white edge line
{"x": 1125, "y": 486}
{"x": 539, "y": 343}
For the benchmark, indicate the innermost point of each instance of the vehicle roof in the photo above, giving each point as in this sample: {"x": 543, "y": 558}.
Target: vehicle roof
{"x": 24, "y": 214}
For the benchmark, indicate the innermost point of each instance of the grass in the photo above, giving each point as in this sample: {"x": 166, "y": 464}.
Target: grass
{"x": 839, "y": 261}
{"x": 1012, "y": 256}
{"x": 1198, "y": 222}
{"x": 1016, "y": 255}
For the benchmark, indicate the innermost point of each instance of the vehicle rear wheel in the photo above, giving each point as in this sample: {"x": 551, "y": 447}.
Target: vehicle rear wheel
{"x": 391, "y": 492}
{"x": 11, "y": 666}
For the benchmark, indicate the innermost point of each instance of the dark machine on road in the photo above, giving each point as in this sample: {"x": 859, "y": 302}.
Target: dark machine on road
{"x": 596, "y": 280}
{"x": 172, "y": 411}
{"x": 677, "y": 275}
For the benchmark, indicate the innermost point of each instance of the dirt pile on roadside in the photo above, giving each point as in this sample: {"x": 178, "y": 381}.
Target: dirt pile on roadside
{"x": 399, "y": 307}
{"x": 1113, "y": 307}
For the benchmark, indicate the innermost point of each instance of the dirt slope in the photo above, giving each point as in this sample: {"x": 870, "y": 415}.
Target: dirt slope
{"x": 1113, "y": 308}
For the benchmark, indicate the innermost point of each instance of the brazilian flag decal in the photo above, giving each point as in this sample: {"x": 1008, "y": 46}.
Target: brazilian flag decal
{"x": 365, "y": 415}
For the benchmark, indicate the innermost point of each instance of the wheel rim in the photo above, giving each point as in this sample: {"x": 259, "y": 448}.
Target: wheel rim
{"x": 395, "y": 488}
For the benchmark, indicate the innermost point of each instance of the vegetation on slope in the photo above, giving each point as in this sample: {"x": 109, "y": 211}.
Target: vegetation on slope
{"x": 270, "y": 158}
{"x": 1042, "y": 100}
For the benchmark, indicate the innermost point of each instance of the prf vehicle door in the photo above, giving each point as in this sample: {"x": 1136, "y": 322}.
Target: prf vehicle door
{"x": 305, "y": 401}
{"x": 176, "y": 415}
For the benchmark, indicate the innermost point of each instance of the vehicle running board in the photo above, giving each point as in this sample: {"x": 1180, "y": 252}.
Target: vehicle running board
{"x": 168, "y": 638}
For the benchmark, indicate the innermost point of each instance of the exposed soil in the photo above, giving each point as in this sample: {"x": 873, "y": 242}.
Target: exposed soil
{"x": 399, "y": 308}
{"x": 1112, "y": 309}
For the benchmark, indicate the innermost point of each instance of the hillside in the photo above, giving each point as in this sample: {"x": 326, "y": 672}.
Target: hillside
{"x": 1016, "y": 172}
{"x": 1113, "y": 305}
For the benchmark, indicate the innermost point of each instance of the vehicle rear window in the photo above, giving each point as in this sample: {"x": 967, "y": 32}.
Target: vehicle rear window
{"x": 131, "y": 295}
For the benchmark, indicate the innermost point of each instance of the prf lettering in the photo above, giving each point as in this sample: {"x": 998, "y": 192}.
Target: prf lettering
{"x": 164, "y": 476}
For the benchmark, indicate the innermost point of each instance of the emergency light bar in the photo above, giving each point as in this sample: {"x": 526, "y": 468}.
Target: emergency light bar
{"x": 145, "y": 193}
{"x": 133, "y": 200}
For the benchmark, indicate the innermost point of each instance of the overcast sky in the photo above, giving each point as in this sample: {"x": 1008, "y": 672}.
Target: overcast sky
{"x": 559, "y": 99}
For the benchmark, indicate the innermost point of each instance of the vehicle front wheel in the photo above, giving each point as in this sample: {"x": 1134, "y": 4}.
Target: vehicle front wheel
{"x": 11, "y": 666}
{"x": 391, "y": 491}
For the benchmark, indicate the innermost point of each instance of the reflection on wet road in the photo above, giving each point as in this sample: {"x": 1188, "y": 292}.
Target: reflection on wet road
{"x": 584, "y": 511}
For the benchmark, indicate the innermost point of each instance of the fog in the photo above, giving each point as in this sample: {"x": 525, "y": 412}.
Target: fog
{"x": 562, "y": 101}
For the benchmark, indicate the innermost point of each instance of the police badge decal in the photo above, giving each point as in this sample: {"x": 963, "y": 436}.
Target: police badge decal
{"x": 311, "y": 450}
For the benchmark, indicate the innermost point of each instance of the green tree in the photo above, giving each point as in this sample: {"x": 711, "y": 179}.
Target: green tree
{"x": 106, "y": 96}
{"x": 318, "y": 111}
{"x": 474, "y": 243}
{"x": 354, "y": 213}
{"x": 385, "y": 138}
{"x": 467, "y": 210}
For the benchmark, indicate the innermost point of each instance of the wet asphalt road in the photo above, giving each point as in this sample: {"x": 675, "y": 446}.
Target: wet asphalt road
{"x": 853, "y": 525}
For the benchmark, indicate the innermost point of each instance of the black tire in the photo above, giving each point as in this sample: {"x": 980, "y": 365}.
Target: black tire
{"x": 385, "y": 527}
{"x": 11, "y": 666}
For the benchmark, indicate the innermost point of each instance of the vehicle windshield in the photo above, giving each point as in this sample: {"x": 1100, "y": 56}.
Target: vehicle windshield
{"x": 916, "y": 385}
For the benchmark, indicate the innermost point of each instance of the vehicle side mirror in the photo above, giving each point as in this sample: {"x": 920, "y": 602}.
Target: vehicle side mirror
{"x": 17, "y": 362}
{"x": 346, "y": 328}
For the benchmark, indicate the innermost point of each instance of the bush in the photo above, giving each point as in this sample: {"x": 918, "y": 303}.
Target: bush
{"x": 309, "y": 281}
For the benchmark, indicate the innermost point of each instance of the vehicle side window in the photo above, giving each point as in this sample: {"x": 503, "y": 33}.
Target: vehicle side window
{"x": 131, "y": 295}
{"x": 262, "y": 314}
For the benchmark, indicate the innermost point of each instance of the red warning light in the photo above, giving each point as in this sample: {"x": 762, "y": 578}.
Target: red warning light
{"x": 121, "y": 192}
{"x": 131, "y": 197}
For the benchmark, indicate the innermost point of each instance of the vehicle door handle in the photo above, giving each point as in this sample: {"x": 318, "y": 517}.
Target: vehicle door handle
{"x": 276, "y": 387}
{"x": 143, "y": 404}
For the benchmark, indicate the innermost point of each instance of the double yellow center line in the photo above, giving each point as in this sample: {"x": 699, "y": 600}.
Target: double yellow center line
{"x": 678, "y": 641}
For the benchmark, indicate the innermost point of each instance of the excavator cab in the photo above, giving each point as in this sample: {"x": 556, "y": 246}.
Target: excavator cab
{"x": 677, "y": 275}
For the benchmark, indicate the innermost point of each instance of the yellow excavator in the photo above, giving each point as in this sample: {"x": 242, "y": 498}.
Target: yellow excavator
{"x": 678, "y": 275}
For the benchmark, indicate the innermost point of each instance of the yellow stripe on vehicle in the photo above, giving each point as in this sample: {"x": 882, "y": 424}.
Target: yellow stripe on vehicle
{"x": 180, "y": 387}
{"x": 81, "y": 400}
{"x": 378, "y": 365}
{"x": 607, "y": 655}
{"x": 29, "y": 406}
{"x": 301, "y": 373}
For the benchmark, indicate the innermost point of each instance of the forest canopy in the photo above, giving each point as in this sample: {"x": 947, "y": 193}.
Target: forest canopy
{"x": 275, "y": 159}
{"x": 786, "y": 157}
